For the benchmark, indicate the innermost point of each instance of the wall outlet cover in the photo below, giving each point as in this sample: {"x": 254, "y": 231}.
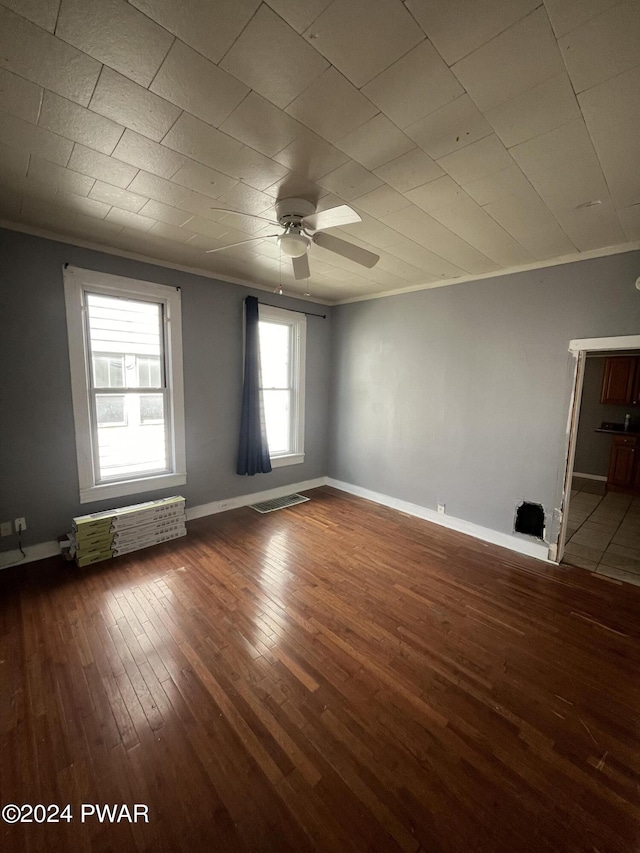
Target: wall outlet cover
{"x": 442, "y": 508}
{"x": 6, "y": 529}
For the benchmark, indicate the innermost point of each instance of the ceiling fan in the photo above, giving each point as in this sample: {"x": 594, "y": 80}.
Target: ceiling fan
{"x": 302, "y": 227}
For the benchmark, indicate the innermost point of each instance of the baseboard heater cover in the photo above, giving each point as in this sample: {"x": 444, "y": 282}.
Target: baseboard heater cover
{"x": 278, "y": 503}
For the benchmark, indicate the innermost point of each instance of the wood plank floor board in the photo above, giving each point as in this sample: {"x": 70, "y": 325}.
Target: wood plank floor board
{"x": 336, "y": 676}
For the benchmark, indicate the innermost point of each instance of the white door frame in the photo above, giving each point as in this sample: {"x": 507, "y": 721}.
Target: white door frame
{"x": 579, "y": 349}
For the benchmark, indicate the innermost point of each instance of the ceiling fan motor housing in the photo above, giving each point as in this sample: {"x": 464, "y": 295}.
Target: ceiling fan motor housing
{"x": 291, "y": 211}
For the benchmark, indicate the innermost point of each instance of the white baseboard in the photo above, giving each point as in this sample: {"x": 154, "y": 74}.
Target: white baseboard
{"x": 514, "y": 543}
{"x": 33, "y": 552}
{"x": 245, "y": 500}
{"x": 590, "y": 477}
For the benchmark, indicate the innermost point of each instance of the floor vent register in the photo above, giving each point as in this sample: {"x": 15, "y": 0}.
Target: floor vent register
{"x": 279, "y": 503}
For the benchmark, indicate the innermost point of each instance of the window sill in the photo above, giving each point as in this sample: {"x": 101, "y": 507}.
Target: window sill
{"x": 289, "y": 459}
{"x": 91, "y": 494}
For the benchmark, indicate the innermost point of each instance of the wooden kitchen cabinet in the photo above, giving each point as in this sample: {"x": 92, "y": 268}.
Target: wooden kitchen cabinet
{"x": 623, "y": 475}
{"x": 621, "y": 383}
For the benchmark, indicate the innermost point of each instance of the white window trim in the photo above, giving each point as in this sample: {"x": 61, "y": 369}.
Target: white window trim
{"x": 298, "y": 322}
{"x": 76, "y": 282}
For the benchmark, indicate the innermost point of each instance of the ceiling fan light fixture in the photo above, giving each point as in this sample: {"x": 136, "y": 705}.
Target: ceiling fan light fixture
{"x": 293, "y": 245}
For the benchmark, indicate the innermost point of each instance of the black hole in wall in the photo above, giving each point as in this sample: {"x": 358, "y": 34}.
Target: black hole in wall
{"x": 530, "y": 519}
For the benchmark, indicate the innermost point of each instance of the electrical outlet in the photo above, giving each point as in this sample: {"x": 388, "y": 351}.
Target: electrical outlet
{"x": 442, "y": 508}
{"x": 21, "y": 524}
{"x": 6, "y": 529}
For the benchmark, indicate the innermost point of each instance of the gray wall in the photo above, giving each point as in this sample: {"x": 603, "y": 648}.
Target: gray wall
{"x": 460, "y": 394}
{"x": 593, "y": 449}
{"x": 38, "y": 470}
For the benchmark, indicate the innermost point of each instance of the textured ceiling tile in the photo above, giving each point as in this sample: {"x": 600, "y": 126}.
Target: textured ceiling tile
{"x": 546, "y": 106}
{"x": 519, "y": 58}
{"x": 117, "y": 197}
{"x": 19, "y": 97}
{"x": 450, "y": 128}
{"x": 375, "y": 142}
{"x": 340, "y": 34}
{"x": 36, "y": 140}
{"x": 571, "y": 183}
{"x": 299, "y": 13}
{"x": 381, "y": 201}
{"x": 531, "y": 224}
{"x": 425, "y": 259}
{"x": 458, "y": 27}
{"x": 59, "y": 177}
{"x": 509, "y": 181}
{"x": 41, "y": 12}
{"x": 614, "y": 103}
{"x": 129, "y": 220}
{"x": 68, "y": 119}
{"x": 592, "y": 227}
{"x": 350, "y": 181}
{"x": 10, "y": 205}
{"x": 428, "y": 232}
{"x": 157, "y": 188}
{"x": 100, "y": 166}
{"x": 630, "y": 220}
{"x": 566, "y": 15}
{"x": 171, "y": 232}
{"x": 33, "y": 53}
{"x": 261, "y": 125}
{"x": 603, "y": 47}
{"x": 618, "y": 155}
{"x": 273, "y": 59}
{"x": 15, "y": 161}
{"x": 202, "y": 179}
{"x": 115, "y": 33}
{"x": 245, "y": 199}
{"x": 311, "y": 156}
{"x": 564, "y": 143}
{"x": 417, "y": 84}
{"x": 82, "y": 204}
{"x": 410, "y": 170}
{"x": 164, "y": 213}
{"x": 332, "y": 106}
{"x": 148, "y": 155}
{"x": 123, "y": 101}
{"x": 194, "y": 83}
{"x": 442, "y": 192}
{"x": 476, "y": 160}
{"x": 210, "y": 28}
{"x": 293, "y": 185}
{"x": 203, "y": 143}
{"x": 473, "y": 224}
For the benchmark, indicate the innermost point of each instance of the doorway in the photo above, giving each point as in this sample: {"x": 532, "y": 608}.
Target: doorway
{"x": 600, "y": 524}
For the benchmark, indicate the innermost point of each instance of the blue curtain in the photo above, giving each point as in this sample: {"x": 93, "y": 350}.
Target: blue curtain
{"x": 253, "y": 452}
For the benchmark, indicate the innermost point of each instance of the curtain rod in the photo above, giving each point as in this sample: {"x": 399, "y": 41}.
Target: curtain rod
{"x": 293, "y": 310}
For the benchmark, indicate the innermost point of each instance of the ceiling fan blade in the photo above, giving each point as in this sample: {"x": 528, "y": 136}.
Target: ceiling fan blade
{"x": 241, "y": 213}
{"x": 331, "y": 218}
{"x": 240, "y": 243}
{"x": 347, "y": 250}
{"x": 301, "y": 267}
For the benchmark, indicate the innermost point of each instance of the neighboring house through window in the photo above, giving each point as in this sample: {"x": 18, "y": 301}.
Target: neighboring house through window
{"x": 125, "y": 347}
{"x": 282, "y": 360}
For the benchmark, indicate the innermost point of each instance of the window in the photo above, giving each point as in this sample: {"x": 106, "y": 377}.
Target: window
{"x": 125, "y": 348}
{"x": 282, "y": 358}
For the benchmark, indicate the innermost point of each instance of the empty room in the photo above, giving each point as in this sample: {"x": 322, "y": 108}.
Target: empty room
{"x": 319, "y": 426}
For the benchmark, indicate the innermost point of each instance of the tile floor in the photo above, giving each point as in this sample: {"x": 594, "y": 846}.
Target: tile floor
{"x": 604, "y": 531}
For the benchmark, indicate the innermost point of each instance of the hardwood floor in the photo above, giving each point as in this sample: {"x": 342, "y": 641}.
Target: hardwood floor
{"x": 336, "y": 677}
